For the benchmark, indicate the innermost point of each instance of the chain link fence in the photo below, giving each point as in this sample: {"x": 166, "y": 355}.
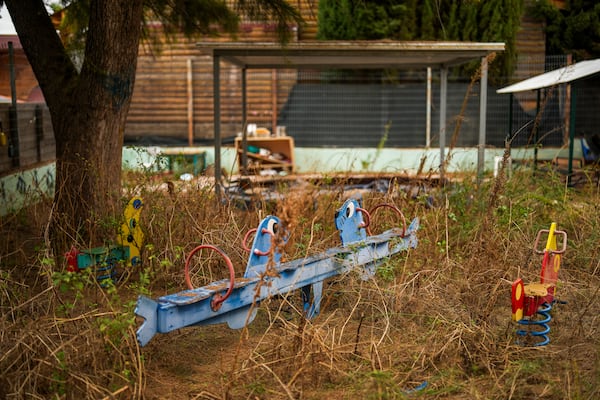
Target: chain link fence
{"x": 396, "y": 109}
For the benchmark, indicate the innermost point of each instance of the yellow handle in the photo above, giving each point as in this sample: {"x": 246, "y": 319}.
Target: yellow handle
{"x": 551, "y": 242}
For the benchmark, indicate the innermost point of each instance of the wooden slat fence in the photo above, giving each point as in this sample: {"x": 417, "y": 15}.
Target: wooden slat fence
{"x": 168, "y": 81}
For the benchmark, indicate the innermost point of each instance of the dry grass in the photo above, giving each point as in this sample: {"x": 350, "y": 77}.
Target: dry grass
{"x": 439, "y": 313}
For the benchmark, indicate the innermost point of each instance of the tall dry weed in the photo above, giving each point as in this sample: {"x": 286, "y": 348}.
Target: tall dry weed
{"x": 439, "y": 313}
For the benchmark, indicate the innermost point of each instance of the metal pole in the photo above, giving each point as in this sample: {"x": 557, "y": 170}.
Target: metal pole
{"x": 39, "y": 130}
{"x": 510, "y": 116}
{"x": 482, "y": 117}
{"x": 244, "y": 169}
{"x": 190, "y": 103}
{"x": 217, "y": 123}
{"x": 567, "y": 105}
{"x": 536, "y": 128}
{"x": 428, "y": 111}
{"x": 571, "y": 134}
{"x": 13, "y": 147}
{"x": 443, "y": 104}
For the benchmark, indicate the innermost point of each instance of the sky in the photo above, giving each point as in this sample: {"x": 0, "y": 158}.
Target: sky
{"x": 6, "y": 26}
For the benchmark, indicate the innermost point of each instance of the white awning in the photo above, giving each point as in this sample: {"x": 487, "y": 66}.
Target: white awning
{"x": 562, "y": 75}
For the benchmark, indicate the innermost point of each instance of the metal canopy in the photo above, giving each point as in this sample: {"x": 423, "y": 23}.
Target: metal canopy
{"x": 566, "y": 74}
{"x": 349, "y": 55}
{"x": 344, "y": 54}
{"x": 558, "y": 76}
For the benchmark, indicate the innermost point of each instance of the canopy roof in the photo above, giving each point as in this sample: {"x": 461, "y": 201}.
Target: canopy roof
{"x": 344, "y": 54}
{"x": 562, "y": 75}
{"x": 350, "y": 55}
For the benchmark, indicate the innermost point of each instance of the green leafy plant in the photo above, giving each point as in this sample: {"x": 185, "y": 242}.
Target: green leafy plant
{"x": 370, "y": 161}
{"x": 59, "y": 374}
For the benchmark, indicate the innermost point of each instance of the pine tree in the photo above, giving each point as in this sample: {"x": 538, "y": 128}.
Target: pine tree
{"x": 464, "y": 20}
{"x": 428, "y": 21}
{"x": 574, "y": 30}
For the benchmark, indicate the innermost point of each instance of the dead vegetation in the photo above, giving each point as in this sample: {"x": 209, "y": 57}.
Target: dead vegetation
{"x": 438, "y": 314}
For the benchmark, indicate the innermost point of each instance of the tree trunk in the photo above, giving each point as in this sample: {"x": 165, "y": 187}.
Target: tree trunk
{"x": 88, "y": 111}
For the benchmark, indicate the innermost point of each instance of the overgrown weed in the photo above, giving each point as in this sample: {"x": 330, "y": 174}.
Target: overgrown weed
{"x": 439, "y": 313}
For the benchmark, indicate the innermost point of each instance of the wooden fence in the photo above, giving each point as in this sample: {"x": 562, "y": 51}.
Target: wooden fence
{"x": 173, "y": 93}
{"x": 173, "y": 97}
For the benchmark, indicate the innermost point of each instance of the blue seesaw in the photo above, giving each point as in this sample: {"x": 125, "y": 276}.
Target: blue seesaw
{"x": 235, "y": 300}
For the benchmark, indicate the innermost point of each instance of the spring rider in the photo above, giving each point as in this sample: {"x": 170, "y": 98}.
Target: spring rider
{"x": 532, "y": 303}
{"x": 105, "y": 259}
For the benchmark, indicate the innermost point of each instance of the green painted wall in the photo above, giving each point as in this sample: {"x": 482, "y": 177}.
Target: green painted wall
{"x": 26, "y": 186}
{"x": 326, "y": 160}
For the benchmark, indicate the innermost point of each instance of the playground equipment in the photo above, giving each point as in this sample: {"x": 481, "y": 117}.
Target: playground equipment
{"x": 235, "y": 300}
{"x": 105, "y": 259}
{"x": 535, "y": 300}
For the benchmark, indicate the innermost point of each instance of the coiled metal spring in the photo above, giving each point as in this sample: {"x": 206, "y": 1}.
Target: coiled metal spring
{"x": 541, "y": 327}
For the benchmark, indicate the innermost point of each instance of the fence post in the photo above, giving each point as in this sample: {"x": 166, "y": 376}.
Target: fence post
{"x": 13, "y": 147}
{"x": 39, "y": 130}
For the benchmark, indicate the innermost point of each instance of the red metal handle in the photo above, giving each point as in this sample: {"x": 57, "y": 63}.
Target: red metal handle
{"x": 245, "y": 239}
{"x": 395, "y": 209}
{"x": 257, "y": 251}
{"x": 367, "y": 216}
{"x": 556, "y": 232}
{"x": 267, "y": 252}
{"x": 217, "y": 299}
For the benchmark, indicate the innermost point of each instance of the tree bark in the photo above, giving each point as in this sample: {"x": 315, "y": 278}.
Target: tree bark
{"x": 88, "y": 111}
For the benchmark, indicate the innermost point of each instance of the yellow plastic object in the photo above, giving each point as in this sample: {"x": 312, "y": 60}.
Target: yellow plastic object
{"x": 536, "y": 289}
{"x": 556, "y": 263}
{"x": 551, "y": 242}
{"x": 518, "y": 299}
{"x": 131, "y": 233}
